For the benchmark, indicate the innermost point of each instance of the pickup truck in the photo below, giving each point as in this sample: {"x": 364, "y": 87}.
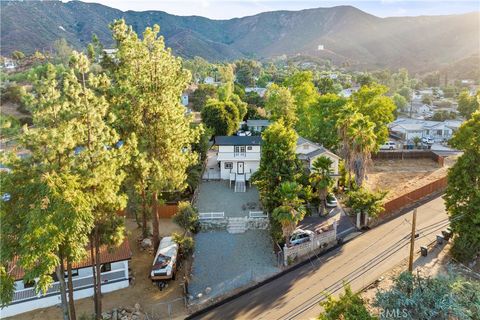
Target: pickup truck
{"x": 164, "y": 264}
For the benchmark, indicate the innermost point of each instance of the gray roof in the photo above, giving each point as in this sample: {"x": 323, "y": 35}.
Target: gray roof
{"x": 258, "y": 123}
{"x": 238, "y": 141}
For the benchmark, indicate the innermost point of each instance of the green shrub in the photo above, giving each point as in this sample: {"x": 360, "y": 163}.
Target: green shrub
{"x": 363, "y": 200}
{"x": 185, "y": 243}
{"x": 187, "y": 217}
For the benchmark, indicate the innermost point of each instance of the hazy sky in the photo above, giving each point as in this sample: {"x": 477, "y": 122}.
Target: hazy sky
{"x": 225, "y": 9}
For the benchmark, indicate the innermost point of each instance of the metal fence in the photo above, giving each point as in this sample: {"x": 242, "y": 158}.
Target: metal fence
{"x": 211, "y": 215}
{"x": 166, "y": 310}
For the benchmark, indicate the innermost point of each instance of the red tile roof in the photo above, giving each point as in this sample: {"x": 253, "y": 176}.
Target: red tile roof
{"x": 119, "y": 253}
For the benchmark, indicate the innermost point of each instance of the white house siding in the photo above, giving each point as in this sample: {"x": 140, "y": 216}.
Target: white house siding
{"x": 248, "y": 167}
{"x": 54, "y": 299}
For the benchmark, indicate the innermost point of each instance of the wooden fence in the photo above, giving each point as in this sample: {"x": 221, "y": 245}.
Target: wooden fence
{"x": 396, "y": 204}
{"x": 167, "y": 210}
{"x": 405, "y": 154}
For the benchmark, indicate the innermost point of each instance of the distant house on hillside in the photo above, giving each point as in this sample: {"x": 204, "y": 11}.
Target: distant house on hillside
{"x": 257, "y": 125}
{"x": 346, "y": 93}
{"x": 260, "y": 91}
{"x": 114, "y": 274}
{"x": 9, "y": 64}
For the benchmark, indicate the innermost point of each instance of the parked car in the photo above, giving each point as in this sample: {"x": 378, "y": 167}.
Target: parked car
{"x": 300, "y": 236}
{"x": 164, "y": 264}
{"x": 428, "y": 140}
{"x": 390, "y": 145}
{"x": 331, "y": 201}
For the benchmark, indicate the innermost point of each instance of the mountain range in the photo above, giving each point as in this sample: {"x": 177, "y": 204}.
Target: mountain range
{"x": 345, "y": 34}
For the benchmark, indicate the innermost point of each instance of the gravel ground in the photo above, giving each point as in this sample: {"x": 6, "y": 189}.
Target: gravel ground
{"x": 216, "y": 196}
{"x": 224, "y": 262}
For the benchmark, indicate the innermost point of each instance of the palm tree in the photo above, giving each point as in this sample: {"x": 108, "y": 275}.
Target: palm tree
{"x": 291, "y": 211}
{"x": 347, "y": 116}
{"x": 321, "y": 179}
{"x": 363, "y": 143}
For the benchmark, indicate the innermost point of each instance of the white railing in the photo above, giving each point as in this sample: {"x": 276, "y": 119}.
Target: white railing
{"x": 211, "y": 215}
{"x": 78, "y": 283}
{"x": 257, "y": 214}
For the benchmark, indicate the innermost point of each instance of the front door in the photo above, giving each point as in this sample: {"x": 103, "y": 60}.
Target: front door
{"x": 240, "y": 168}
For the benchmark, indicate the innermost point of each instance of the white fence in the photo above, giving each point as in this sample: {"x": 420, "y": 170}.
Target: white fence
{"x": 211, "y": 215}
{"x": 257, "y": 214}
{"x": 317, "y": 243}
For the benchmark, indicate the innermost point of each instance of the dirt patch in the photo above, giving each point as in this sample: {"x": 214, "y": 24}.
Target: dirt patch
{"x": 402, "y": 176}
{"x": 151, "y": 299}
{"x": 11, "y": 109}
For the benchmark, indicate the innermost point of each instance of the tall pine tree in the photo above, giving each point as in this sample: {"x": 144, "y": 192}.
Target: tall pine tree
{"x": 148, "y": 83}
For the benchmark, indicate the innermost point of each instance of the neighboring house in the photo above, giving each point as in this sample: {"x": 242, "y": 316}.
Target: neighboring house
{"x": 257, "y": 125}
{"x": 348, "y": 92}
{"x": 114, "y": 277}
{"x": 260, "y": 91}
{"x": 9, "y": 64}
{"x": 239, "y": 157}
{"x": 408, "y": 129}
{"x": 184, "y": 99}
{"x": 209, "y": 80}
{"x": 424, "y": 109}
{"x": 308, "y": 151}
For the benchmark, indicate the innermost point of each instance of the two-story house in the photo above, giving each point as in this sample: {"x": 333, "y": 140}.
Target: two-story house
{"x": 238, "y": 157}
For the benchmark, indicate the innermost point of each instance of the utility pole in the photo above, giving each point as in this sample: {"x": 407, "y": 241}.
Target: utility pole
{"x": 412, "y": 240}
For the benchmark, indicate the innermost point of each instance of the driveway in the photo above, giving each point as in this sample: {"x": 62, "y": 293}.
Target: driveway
{"x": 224, "y": 262}
{"x": 218, "y": 196}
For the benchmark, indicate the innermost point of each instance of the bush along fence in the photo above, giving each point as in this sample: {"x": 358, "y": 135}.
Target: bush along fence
{"x": 318, "y": 243}
{"x": 404, "y": 154}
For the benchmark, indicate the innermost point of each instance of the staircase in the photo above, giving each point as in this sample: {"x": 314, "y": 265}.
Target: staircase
{"x": 240, "y": 186}
{"x": 236, "y": 225}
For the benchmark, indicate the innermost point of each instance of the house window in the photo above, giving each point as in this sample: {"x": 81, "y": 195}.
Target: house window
{"x": 74, "y": 273}
{"x": 228, "y": 165}
{"x": 445, "y": 132}
{"x": 239, "y": 149}
{"x": 28, "y": 284}
{"x": 249, "y": 148}
{"x": 439, "y": 132}
{"x": 106, "y": 267}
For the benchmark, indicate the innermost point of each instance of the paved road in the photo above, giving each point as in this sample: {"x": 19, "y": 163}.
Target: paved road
{"x": 360, "y": 262}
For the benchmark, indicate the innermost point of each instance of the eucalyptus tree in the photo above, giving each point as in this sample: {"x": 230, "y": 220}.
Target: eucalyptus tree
{"x": 321, "y": 179}
{"x": 291, "y": 209}
{"x": 148, "y": 82}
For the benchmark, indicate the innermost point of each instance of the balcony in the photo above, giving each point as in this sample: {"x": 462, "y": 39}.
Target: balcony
{"x": 238, "y": 156}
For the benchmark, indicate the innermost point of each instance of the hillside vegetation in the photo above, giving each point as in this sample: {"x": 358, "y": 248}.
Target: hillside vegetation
{"x": 348, "y": 35}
